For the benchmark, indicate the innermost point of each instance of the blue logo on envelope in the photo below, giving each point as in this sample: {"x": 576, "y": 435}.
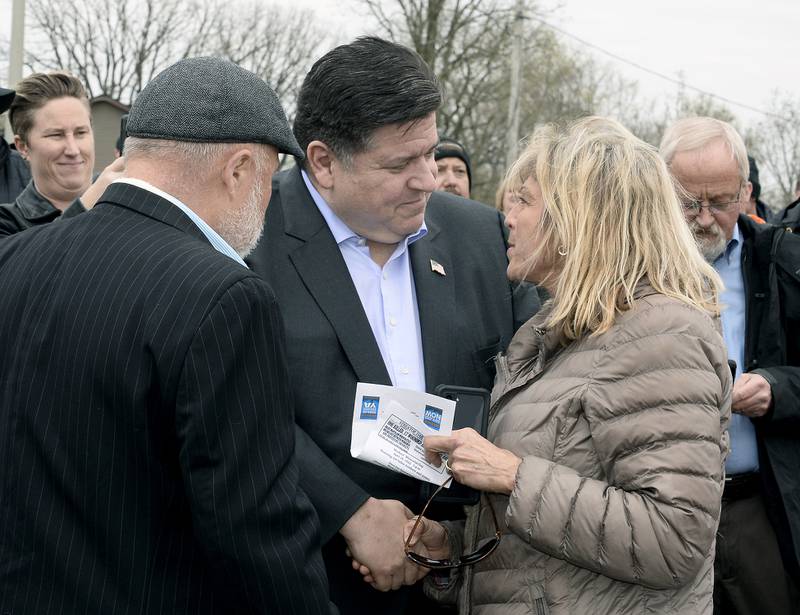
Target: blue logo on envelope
{"x": 433, "y": 417}
{"x": 369, "y": 408}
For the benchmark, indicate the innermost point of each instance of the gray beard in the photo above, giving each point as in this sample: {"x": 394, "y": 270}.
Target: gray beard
{"x": 711, "y": 242}
{"x": 242, "y": 228}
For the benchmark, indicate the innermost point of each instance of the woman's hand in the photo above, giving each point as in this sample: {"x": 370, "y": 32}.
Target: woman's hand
{"x": 430, "y": 540}
{"x": 474, "y": 461}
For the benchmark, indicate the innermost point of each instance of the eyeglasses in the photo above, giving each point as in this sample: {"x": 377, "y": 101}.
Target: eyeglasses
{"x": 692, "y": 208}
{"x": 484, "y": 549}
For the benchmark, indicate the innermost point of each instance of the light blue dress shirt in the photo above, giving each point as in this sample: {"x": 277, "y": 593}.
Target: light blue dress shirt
{"x": 387, "y": 295}
{"x": 219, "y": 244}
{"x": 744, "y": 450}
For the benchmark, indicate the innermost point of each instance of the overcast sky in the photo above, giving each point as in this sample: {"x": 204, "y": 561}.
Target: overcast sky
{"x": 738, "y": 49}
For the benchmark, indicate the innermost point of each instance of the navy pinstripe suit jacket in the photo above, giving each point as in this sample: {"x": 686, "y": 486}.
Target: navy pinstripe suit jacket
{"x": 146, "y": 425}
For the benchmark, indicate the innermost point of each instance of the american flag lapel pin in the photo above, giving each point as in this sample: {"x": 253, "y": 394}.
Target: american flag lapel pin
{"x": 437, "y": 267}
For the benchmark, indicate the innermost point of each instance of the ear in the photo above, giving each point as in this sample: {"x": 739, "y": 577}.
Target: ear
{"x": 21, "y": 146}
{"x": 321, "y": 161}
{"x": 239, "y": 171}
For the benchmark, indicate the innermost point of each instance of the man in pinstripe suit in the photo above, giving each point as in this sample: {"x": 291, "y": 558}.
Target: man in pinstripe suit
{"x": 146, "y": 428}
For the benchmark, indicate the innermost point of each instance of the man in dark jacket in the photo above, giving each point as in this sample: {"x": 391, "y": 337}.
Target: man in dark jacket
{"x": 454, "y": 168}
{"x": 756, "y": 566}
{"x": 14, "y": 172}
{"x": 755, "y": 206}
{"x": 382, "y": 280}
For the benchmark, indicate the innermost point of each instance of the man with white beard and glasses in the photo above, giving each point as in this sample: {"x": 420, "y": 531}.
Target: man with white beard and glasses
{"x": 758, "y": 541}
{"x": 144, "y": 397}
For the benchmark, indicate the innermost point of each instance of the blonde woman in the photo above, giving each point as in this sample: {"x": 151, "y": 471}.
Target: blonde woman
{"x": 603, "y": 466}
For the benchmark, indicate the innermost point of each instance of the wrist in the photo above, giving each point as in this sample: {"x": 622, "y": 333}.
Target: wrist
{"x": 511, "y": 475}
{"x": 357, "y": 519}
{"x": 434, "y": 539}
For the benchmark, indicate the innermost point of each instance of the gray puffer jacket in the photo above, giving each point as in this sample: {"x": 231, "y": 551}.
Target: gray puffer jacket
{"x": 623, "y": 440}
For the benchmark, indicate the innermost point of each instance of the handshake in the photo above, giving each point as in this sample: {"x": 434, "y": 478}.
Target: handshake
{"x": 378, "y": 532}
{"x": 376, "y": 537}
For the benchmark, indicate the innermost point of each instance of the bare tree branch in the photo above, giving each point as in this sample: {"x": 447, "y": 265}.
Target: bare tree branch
{"x": 117, "y": 46}
{"x": 775, "y": 143}
{"x": 467, "y": 43}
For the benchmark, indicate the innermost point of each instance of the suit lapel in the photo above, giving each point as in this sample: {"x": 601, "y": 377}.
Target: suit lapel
{"x": 320, "y": 265}
{"x": 436, "y": 304}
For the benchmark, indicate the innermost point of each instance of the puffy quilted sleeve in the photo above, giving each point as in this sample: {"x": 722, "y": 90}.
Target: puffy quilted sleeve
{"x": 657, "y": 403}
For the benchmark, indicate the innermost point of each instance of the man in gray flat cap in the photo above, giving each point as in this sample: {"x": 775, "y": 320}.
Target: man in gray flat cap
{"x": 145, "y": 394}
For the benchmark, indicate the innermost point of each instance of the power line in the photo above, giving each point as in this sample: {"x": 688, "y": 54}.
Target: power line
{"x": 654, "y": 72}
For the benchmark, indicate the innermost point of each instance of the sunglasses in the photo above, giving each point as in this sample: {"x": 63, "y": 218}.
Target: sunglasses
{"x": 484, "y": 549}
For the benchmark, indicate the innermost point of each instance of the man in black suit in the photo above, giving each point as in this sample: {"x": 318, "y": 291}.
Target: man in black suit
{"x": 146, "y": 425}
{"x": 379, "y": 281}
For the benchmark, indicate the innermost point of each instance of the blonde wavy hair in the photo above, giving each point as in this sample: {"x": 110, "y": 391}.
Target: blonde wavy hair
{"x": 611, "y": 219}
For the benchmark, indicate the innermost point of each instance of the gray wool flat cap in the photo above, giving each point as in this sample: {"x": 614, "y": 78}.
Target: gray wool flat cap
{"x": 211, "y": 100}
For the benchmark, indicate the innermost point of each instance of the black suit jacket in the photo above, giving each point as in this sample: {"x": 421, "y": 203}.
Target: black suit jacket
{"x": 466, "y": 317}
{"x": 146, "y": 427}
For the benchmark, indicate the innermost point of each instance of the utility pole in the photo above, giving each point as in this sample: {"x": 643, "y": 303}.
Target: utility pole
{"x": 17, "y": 52}
{"x": 512, "y": 136}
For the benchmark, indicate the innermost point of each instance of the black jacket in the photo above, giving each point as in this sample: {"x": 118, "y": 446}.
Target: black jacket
{"x": 790, "y": 217}
{"x": 771, "y": 271}
{"x": 14, "y": 173}
{"x": 146, "y": 425}
{"x": 466, "y": 317}
{"x": 31, "y": 209}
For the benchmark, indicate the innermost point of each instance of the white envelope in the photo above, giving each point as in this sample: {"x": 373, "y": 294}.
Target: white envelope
{"x": 390, "y": 423}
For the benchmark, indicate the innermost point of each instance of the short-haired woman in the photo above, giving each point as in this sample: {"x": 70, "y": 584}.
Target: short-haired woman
{"x": 53, "y": 131}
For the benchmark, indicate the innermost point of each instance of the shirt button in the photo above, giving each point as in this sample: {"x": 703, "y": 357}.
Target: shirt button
{"x": 404, "y": 371}
{"x": 393, "y": 322}
{"x": 385, "y": 276}
{"x": 362, "y": 242}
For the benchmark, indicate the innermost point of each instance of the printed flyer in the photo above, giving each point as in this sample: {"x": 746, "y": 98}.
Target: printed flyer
{"x": 389, "y": 425}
